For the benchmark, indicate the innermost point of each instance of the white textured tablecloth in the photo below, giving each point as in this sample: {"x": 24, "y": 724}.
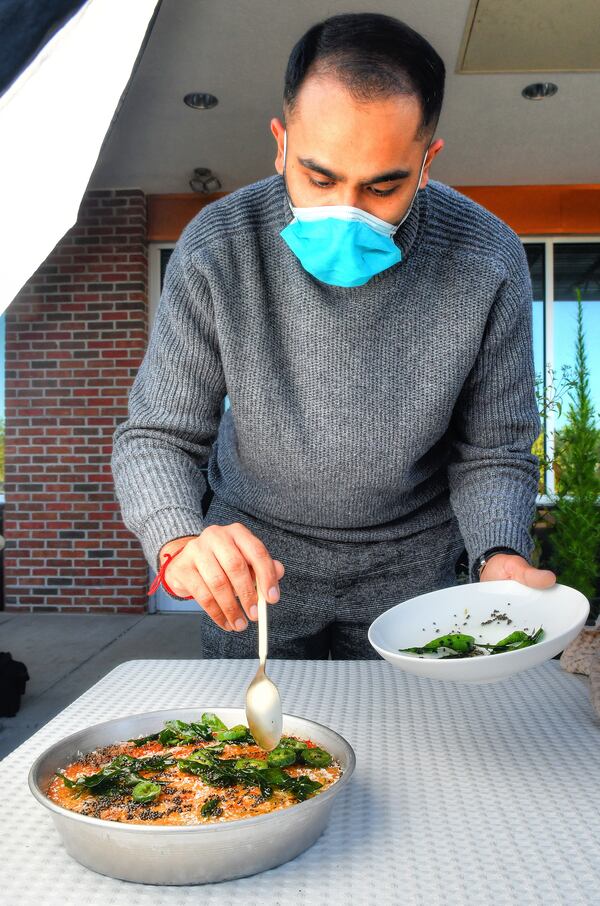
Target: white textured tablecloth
{"x": 462, "y": 794}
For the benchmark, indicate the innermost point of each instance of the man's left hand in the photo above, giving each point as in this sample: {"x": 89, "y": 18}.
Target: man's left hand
{"x": 511, "y": 566}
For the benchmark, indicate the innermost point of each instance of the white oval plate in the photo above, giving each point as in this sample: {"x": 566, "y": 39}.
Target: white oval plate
{"x": 560, "y": 610}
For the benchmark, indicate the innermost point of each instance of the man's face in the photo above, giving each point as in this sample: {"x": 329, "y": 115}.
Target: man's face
{"x": 343, "y": 151}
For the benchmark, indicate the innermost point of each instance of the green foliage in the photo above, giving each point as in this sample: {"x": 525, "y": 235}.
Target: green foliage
{"x": 550, "y": 394}
{"x": 575, "y": 540}
{"x": 550, "y": 391}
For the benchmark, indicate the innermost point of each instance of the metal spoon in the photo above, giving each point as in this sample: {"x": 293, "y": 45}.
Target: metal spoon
{"x": 263, "y": 702}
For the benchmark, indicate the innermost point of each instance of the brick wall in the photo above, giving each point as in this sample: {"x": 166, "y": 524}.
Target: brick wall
{"x": 75, "y": 337}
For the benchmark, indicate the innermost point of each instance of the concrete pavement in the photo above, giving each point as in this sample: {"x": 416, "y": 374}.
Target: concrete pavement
{"x": 65, "y": 654}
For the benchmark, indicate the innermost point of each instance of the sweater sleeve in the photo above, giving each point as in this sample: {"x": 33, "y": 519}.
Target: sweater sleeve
{"x": 173, "y": 415}
{"x": 493, "y": 475}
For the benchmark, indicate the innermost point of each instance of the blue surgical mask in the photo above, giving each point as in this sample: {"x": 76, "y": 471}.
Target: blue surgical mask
{"x": 342, "y": 245}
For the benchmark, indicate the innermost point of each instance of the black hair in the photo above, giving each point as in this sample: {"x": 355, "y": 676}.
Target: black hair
{"x": 375, "y": 56}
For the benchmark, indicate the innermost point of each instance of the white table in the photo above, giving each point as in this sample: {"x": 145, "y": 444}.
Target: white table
{"x": 462, "y": 794}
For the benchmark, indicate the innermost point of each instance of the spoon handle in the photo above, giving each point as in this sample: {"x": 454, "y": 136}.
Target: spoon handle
{"x": 262, "y": 627}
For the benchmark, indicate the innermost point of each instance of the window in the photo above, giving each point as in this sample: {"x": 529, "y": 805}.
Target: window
{"x": 559, "y": 267}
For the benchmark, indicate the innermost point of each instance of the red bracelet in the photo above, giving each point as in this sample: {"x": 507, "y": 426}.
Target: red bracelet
{"x": 160, "y": 577}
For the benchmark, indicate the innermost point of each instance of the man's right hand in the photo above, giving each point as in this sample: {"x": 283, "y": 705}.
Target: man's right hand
{"x": 221, "y": 564}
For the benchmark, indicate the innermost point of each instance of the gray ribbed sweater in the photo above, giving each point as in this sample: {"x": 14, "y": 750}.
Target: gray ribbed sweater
{"x": 356, "y": 414}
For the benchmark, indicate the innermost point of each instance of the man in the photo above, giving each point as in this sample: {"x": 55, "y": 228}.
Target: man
{"x": 372, "y": 330}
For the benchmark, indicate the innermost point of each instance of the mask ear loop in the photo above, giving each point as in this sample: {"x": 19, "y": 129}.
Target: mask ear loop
{"x": 410, "y": 207}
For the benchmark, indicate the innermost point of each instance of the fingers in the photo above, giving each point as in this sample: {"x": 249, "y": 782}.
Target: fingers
{"x": 279, "y": 569}
{"x": 189, "y": 582}
{"x": 537, "y": 578}
{"x": 219, "y": 584}
{"x": 235, "y": 567}
{"x": 220, "y": 569}
{"x": 511, "y": 566}
{"x": 257, "y": 555}
{"x": 207, "y": 602}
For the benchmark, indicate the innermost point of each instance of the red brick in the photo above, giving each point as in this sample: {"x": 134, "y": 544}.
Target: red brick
{"x": 82, "y": 299}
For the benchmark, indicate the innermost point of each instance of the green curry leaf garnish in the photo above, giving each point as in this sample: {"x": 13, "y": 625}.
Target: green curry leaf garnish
{"x": 123, "y": 775}
{"x": 458, "y": 644}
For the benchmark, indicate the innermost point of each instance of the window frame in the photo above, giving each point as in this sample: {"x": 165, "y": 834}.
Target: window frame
{"x": 549, "y": 241}
{"x": 154, "y": 288}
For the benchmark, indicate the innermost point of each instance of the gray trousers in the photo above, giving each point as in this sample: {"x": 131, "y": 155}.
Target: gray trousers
{"x": 332, "y": 591}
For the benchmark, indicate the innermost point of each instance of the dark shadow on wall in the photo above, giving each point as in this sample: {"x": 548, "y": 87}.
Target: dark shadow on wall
{"x": 25, "y": 27}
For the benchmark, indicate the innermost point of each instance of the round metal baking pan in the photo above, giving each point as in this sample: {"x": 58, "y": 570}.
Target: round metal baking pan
{"x": 190, "y": 854}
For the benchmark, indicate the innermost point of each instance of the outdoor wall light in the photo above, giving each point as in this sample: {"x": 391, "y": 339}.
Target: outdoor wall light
{"x": 204, "y": 181}
{"x": 539, "y": 90}
{"x": 200, "y": 100}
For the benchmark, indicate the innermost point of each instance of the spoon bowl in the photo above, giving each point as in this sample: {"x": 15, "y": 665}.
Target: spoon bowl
{"x": 263, "y": 702}
{"x": 263, "y": 711}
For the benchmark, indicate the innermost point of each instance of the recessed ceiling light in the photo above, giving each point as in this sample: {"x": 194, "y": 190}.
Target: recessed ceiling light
{"x": 200, "y": 100}
{"x": 539, "y": 90}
